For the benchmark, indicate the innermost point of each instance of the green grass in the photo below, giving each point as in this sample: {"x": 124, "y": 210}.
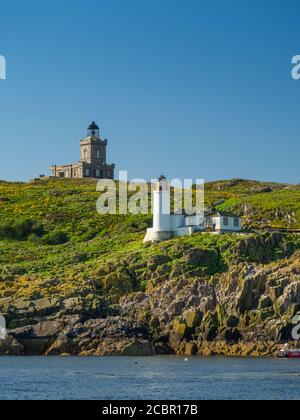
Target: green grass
{"x": 98, "y": 247}
{"x": 261, "y": 204}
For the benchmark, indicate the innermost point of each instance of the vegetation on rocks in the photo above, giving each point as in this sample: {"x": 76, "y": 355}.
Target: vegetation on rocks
{"x": 74, "y": 281}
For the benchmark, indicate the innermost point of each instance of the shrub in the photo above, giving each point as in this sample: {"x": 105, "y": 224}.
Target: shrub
{"x": 56, "y": 237}
{"x": 34, "y": 239}
{"x": 21, "y": 229}
{"x": 89, "y": 235}
{"x": 135, "y": 223}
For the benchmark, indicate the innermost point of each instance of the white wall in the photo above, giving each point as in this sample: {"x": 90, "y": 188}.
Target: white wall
{"x": 230, "y": 226}
{"x": 197, "y": 220}
{"x": 177, "y": 220}
{"x": 185, "y": 231}
{"x": 161, "y": 211}
{"x": 217, "y": 221}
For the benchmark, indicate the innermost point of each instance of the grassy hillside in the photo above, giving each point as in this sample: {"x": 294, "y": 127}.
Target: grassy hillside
{"x": 53, "y": 242}
{"x": 261, "y": 204}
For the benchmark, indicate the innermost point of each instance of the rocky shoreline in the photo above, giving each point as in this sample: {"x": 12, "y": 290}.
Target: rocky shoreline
{"x": 246, "y": 311}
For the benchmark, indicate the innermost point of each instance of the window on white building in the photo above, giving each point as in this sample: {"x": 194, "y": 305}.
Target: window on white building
{"x": 225, "y": 221}
{"x": 236, "y": 222}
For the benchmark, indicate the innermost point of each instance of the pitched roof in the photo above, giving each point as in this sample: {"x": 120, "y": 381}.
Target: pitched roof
{"x": 209, "y": 213}
{"x": 222, "y": 214}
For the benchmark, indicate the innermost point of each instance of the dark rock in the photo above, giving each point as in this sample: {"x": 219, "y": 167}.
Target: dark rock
{"x": 157, "y": 260}
{"x": 265, "y": 302}
{"x": 197, "y": 257}
{"x": 211, "y": 334}
{"x": 232, "y": 335}
{"x": 193, "y": 318}
{"x": 232, "y": 321}
{"x": 285, "y": 333}
{"x": 10, "y": 346}
{"x": 162, "y": 348}
{"x": 275, "y": 293}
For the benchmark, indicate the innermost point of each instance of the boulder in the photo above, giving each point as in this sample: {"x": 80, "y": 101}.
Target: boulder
{"x": 265, "y": 302}
{"x": 266, "y": 313}
{"x": 232, "y": 321}
{"x": 232, "y": 335}
{"x": 23, "y": 322}
{"x": 73, "y": 305}
{"x": 11, "y": 347}
{"x": 193, "y": 318}
{"x": 190, "y": 348}
{"x": 45, "y": 306}
{"x": 7, "y": 293}
{"x": 290, "y": 296}
{"x": 180, "y": 328}
{"x": 62, "y": 345}
{"x": 275, "y": 293}
{"x": 176, "y": 308}
{"x": 252, "y": 287}
{"x": 157, "y": 260}
{"x": 162, "y": 347}
{"x": 23, "y": 305}
{"x": 197, "y": 257}
{"x": 37, "y": 339}
{"x": 137, "y": 348}
{"x": 210, "y": 334}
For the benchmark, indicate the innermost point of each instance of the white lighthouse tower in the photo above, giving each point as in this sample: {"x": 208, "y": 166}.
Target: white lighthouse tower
{"x": 161, "y": 206}
{"x": 162, "y": 221}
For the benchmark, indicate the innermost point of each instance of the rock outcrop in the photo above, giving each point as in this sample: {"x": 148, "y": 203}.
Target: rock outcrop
{"x": 246, "y": 311}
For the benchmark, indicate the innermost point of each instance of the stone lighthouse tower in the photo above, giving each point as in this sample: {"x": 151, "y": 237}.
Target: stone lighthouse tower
{"x": 92, "y": 162}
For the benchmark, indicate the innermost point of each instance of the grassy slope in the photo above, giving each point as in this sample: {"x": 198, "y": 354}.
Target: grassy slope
{"x": 99, "y": 245}
{"x": 261, "y": 204}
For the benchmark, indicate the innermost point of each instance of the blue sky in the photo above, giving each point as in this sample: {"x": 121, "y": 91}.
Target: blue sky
{"x": 191, "y": 89}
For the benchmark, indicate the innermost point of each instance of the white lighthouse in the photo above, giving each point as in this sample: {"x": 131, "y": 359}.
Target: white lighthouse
{"x": 167, "y": 225}
{"x": 161, "y": 204}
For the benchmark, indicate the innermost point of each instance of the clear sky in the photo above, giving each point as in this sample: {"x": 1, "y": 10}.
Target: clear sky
{"x": 189, "y": 88}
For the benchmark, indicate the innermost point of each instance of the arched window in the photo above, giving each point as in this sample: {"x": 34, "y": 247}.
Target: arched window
{"x": 98, "y": 154}
{"x": 85, "y": 154}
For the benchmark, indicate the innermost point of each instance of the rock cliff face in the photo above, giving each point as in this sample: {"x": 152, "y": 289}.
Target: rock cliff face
{"x": 245, "y": 311}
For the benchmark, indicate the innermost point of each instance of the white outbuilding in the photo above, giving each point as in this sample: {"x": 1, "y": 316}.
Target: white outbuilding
{"x": 223, "y": 221}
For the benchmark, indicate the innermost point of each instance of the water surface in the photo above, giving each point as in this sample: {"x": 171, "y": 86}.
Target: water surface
{"x": 162, "y": 377}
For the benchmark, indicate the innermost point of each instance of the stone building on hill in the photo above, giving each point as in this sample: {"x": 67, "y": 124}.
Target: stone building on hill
{"x": 92, "y": 162}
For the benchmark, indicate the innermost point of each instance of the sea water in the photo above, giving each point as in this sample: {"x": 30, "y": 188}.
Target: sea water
{"x": 161, "y": 377}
